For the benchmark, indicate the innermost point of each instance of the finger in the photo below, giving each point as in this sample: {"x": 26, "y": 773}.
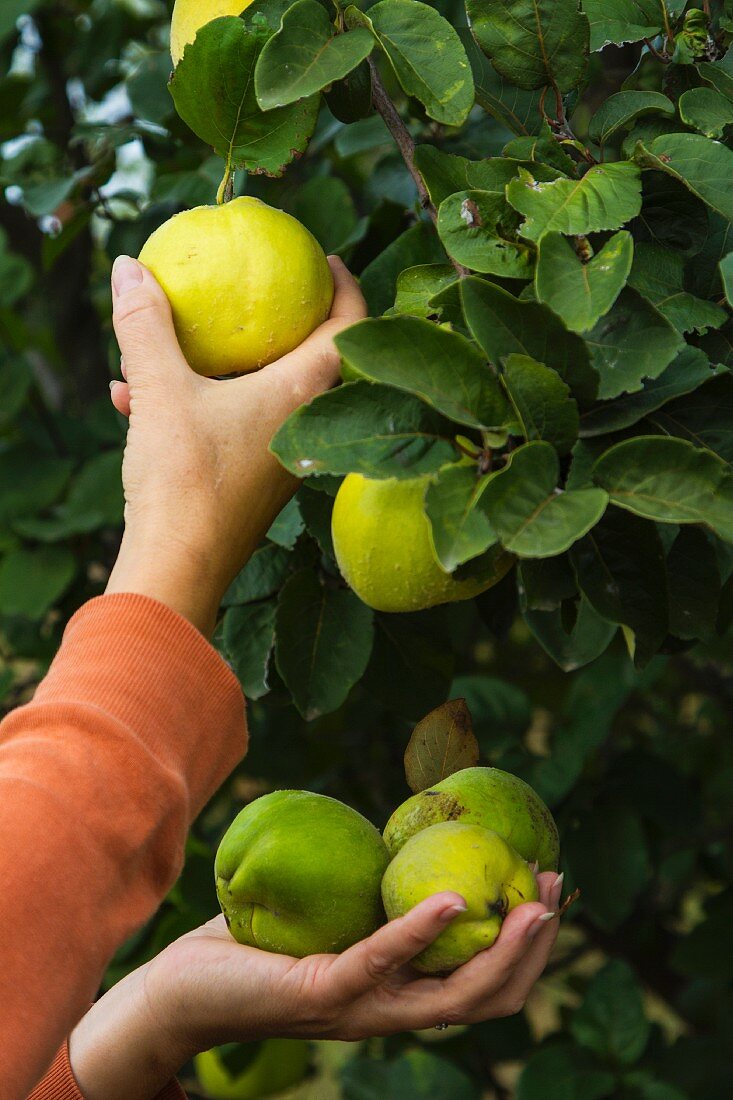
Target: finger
{"x": 120, "y": 394}
{"x": 348, "y": 300}
{"x": 143, "y": 323}
{"x": 314, "y": 366}
{"x": 368, "y": 964}
{"x": 529, "y": 970}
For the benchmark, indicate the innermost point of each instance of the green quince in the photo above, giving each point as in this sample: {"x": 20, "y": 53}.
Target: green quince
{"x": 482, "y": 796}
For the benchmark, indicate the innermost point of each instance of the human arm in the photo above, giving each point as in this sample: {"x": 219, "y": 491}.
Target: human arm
{"x": 205, "y": 990}
{"x": 139, "y": 720}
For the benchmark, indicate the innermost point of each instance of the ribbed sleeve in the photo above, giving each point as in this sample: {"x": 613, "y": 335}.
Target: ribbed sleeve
{"x": 59, "y": 1083}
{"x": 135, "y": 726}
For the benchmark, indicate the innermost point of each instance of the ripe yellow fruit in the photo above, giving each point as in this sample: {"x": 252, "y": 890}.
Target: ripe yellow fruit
{"x": 383, "y": 545}
{"x": 190, "y": 15}
{"x": 247, "y": 283}
{"x": 489, "y": 874}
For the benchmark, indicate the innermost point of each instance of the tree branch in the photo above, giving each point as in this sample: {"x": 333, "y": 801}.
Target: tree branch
{"x": 403, "y": 139}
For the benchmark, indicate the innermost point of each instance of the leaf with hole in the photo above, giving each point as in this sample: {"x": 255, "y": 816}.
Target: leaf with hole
{"x": 582, "y": 292}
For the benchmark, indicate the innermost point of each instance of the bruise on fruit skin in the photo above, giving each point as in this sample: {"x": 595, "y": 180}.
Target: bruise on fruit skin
{"x": 447, "y": 805}
{"x": 498, "y": 908}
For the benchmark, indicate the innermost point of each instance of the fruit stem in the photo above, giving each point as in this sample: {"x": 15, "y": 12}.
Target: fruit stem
{"x": 226, "y": 187}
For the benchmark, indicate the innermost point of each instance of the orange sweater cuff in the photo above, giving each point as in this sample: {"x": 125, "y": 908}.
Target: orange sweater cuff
{"x": 60, "y": 1083}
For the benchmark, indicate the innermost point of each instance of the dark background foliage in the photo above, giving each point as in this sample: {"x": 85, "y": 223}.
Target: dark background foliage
{"x": 636, "y": 763}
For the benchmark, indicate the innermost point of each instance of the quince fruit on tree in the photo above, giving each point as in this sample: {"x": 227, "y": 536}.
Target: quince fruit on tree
{"x": 482, "y": 796}
{"x": 190, "y": 15}
{"x": 246, "y": 283}
{"x": 270, "y": 1067}
{"x": 475, "y": 862}
{"x": 383, "y": 544}
{"x": 299, "y": 874}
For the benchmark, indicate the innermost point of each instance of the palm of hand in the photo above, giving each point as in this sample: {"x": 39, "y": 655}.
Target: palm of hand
{"x": 214, "y": 990}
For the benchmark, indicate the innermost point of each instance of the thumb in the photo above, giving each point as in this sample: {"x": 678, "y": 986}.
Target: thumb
{"x": 143, "y": 322}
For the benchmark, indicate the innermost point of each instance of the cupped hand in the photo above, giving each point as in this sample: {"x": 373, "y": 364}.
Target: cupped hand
{"x": 219, "y": 991}
{"x": 201, "y": 487}
{"x": 205, "y": 989}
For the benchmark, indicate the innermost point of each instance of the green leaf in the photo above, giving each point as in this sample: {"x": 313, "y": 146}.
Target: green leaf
{"x": 422, "y": 1075}
{"x": 502, "y": 325}
{"x": 607, "y": 853}
{"x": 694, "y": 585}
{"x": 659, "y": 274}
{"x": 702, "y": 165}
{"x": 31, "y": 581}
{"x": 581, "y": 293}
{"x": 417, "y": 245}
{"x": 533, "y": 43}
{"x": 439, "y": 366}
{"x": 620, "y": 21}
{"x": 262, "y": 576}
{"x": 563, "y": 1072}
{"x": 288, "y": 526}
{"x": 542, "y": 402}
{"x": 306, "y": 55}
{"x": 249, "y": 637}
{"x": 726, "y": 274}
{"x": 16, "y": 379}
{"x": 685, "y": 373}
{"x": 611, "y": 1021}
{"x": 704, "y": 417}
{"x": 532, "y": 518}
{"x": 478, "y": 229}
{"x": 363, "y": 428}
{"x": 545, "y": 583}
{"x": 442, "y": 743}
{"x": 411, "y": 665}
{"x": 16, "y": 275}
{"x": 213, "y": 90}
{"x": 30, "y": 480}
{"x": 325, "y": 206}
{"x": 607, "y": 196}
{"x": 418, "y": 286}
{"x": 460, "y": 530}
{"x": 620, "y": 570}
{"x": 719, "y": 74}
{"x": 97, "y": 488}
{"x": 515, "y": 108}
{"x": 316, "y": 508}
{"x": 324, "y": 640}
{"x": 631, "y": 343}
{"x": 706, "y": 110}
{"x": 669, "y": 480}
{"x": 620, "y": 110}
{"x": 427, "y": 57}
{"x": 542, "y": 151}
{"x": 446, "y": 173}
{"x": 571, "y": 649}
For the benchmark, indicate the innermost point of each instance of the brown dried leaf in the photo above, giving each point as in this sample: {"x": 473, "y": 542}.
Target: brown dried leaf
{"x": 442, "y": 743}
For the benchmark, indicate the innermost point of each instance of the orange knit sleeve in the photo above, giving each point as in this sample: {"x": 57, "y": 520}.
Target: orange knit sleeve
{"x": 60, "y": 1084}
{"x": 133, "y": 729}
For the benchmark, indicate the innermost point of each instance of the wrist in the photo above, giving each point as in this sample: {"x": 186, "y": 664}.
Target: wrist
{"x": 123, "y": 1049}
{"x": 185, "y": 579}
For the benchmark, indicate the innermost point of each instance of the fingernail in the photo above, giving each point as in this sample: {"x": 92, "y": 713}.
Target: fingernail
{"x": 534, "y": 868}
{"x": 537, "y": 925}
{"x": 452, "y": 912}
{"x": 126, "y": 275}
{"x": 113, "y": 383}
{"x": 559, "y": 881}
